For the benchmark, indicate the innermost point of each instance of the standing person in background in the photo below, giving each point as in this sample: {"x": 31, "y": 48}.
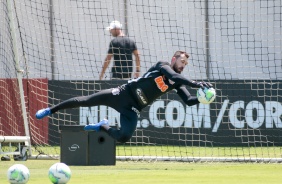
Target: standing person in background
{"x": 122, "y": 48}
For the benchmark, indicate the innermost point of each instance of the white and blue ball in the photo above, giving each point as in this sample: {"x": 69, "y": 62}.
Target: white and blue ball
{"x": 206, "y": 95}
{"x": 59, "y": 173}
{"x": 18, "y": 173}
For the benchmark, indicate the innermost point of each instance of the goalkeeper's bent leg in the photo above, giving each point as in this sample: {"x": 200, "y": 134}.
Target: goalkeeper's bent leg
{"x": 128, "y": 123}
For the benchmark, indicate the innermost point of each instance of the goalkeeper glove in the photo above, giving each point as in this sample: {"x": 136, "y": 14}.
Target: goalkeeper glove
{"x": 202, "y": 84}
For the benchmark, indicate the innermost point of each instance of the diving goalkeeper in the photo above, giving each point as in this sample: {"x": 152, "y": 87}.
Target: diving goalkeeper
{"x": 129, "y": 99}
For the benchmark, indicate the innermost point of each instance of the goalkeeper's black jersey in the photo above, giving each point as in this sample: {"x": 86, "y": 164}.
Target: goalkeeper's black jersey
{"x": 159, "y": 79}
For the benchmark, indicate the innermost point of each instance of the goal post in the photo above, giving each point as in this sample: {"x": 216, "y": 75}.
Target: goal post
{"x": 51, "y": 51}
{"x": 17, "y": 93}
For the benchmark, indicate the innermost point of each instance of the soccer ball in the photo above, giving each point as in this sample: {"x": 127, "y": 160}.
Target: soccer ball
{"x": 206, "y": 95}
{"x": 18, "y": 173}
{"x": 59, "y": 173}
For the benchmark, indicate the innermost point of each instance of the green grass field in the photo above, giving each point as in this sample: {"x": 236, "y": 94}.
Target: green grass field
{"x": 155, "y": 173}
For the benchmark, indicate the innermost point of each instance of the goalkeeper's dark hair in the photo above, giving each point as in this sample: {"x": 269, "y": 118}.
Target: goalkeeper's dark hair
{"x": 178, "y": 53}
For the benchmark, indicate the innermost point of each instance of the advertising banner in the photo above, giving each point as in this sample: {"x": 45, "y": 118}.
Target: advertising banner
{"x": 245, "y": 113}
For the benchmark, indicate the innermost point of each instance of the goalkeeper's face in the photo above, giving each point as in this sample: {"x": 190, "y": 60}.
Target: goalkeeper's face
{"x": 179, "y": 63}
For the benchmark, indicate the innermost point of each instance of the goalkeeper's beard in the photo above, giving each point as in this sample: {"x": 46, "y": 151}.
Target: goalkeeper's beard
{"x": 176, "y": 69}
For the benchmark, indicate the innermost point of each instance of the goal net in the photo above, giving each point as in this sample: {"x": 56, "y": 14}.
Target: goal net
{"x": 60, "y": 47}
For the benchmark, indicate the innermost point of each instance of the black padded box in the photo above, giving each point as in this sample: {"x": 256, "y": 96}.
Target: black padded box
{"x": 79, "y": 147}
{"x": 102, "y": 149}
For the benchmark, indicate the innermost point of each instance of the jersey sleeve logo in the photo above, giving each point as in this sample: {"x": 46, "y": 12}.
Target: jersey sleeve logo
{"x": 161, "y": 84}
